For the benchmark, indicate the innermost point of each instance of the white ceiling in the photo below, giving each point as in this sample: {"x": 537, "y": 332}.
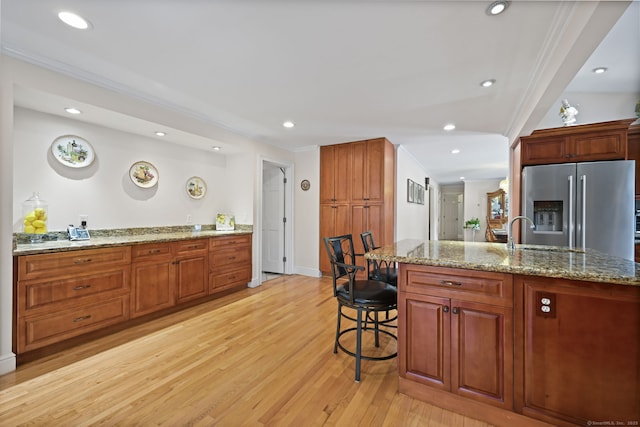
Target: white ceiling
{"x": 341, "y": 70}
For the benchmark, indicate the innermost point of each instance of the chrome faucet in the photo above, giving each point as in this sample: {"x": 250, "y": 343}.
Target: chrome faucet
{"x": 511, "y": 246}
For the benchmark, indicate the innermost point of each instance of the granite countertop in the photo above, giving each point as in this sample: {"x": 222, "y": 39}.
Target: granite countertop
{"x": 533, "y": 260}
{"x": 109, "y": 238}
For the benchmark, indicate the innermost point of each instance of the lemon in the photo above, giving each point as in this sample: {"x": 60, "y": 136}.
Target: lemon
{"x": 30, "y": 217}
{"x": 38, "y": 223}
{"x": 29, "y": 229}
{"x": 40, "y": 230}
{"x": 39, "y": 212}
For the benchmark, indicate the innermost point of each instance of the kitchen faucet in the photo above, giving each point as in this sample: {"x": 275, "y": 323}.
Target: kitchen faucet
{"x": 511, "y": 246}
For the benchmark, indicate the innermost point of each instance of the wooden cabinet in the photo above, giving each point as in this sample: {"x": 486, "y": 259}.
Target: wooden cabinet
{"x": 152, "y": 283}
{"x": 229, "y": 262}
{"x": 191, "y": 269}
{"x": 67, "y": 294}
{"x": 366, "y": 172}
{"x": 335, "y": 172}
{"x": 456, "y": 332}
{"x": 582, "y": 143}
{"x": 580, "y": 358}
{"x": 63, "y": 295}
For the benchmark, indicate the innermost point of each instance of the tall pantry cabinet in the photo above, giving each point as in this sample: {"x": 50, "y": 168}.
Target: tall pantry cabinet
{"x": 357, "y": 185}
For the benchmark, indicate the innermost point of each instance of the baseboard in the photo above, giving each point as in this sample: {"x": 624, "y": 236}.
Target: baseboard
{"x": 7, "y": 363}
{"x": 304, "y": 271}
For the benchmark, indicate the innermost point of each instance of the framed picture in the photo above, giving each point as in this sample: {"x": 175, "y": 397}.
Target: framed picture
{"x": 420, "y": 195}
{"x": 410, "y": 191}
{"x": 72, "y": 151}
{"x": 196, "y": 187}
{"x": 143, "y": 174}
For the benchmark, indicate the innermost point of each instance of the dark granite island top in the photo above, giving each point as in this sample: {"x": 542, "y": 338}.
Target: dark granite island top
{"x": 532, "y": 260}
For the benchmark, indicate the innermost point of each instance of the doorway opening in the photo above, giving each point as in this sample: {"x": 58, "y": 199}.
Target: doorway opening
{"x": 275, "y": 221}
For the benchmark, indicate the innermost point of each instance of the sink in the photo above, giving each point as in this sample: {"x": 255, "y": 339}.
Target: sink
{"x": 542, "y": 248}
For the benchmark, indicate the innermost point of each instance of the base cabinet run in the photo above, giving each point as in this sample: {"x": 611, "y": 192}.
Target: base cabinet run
{"x": 64, "y": 295}
{"x": 520, "y": 350}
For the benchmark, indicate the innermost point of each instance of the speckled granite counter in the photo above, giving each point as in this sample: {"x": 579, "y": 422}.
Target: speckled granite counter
{"x": 533, "y": 260}
{"x": 107, "y": 238}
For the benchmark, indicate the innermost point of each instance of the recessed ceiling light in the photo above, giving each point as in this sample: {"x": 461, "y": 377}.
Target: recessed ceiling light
{"x": 288, "y": 124}
{"x": 73, "y": 20}
{"x": 455, "y": 151}
{"x": 461, "y": 178}
{"x": 72, "y": 110}
{"x": 449, "y": 126}
{"x": 215, "y": 147}
{"x": 488, "y": 83}
{"x": 600, "y": 70}
{"x": 497, "y": 7}
{"x": 159, "y": 133}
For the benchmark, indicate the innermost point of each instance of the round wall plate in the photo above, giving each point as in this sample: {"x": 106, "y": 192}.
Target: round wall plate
{"x": 72, "y": 151}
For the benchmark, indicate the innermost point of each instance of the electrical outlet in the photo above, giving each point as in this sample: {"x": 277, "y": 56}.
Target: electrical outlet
{"x": 188, "y": 218}
{"x": 84, "y": 220}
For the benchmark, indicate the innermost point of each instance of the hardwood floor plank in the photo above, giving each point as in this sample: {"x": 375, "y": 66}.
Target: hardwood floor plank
{"x": 258, "y": 357}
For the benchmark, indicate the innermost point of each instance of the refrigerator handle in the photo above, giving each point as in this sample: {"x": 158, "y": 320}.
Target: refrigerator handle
{"x": 571, "y": 229}
{"x": 583, "y": 223}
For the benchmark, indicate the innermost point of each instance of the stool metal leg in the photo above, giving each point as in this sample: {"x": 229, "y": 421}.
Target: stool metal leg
{"x": 335, "y": 344}
{"x": 358, "y": 344}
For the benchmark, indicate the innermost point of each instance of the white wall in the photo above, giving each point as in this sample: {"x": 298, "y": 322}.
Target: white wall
{"x": 104, "y": 191}
{"x": 593, "y": 108}
{"x": 307, "y": 213}
{"x": 412, "y": 219}
{"x": 475, "y": 205}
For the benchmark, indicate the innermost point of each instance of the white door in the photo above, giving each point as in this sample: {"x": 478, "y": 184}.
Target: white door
{"x": 273, "y": 181}
{"x": 450, "y": 221}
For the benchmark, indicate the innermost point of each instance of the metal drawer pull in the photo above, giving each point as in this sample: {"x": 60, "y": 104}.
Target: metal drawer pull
{"x": 193, "y": 247}
{"x": 80, "y": 319}
{"x": 80, "y": 287}
{"x": 81, "y": 260}
{"x": 232, "y": 258}
{"x": 154, "y": 251}
{"x": 450, "y": 283}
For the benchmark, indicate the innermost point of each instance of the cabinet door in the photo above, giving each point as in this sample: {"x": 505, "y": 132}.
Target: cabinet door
{"x": 192, "y": 277}
{"x": 423, "y": 347}
{"x": 482, "y": 352}
{"x": 368, "y": 175}
{"x": 581, "y": 350}
{"x": 545, "y": 151}
{"x": 335, "y": 220}
{"x": 335, "y": 173}
{"x": 367, "y": 218}
{"x": 598, "y": 146}
{"x": 152, "y": 287}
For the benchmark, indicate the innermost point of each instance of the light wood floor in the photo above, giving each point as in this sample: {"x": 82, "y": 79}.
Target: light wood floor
{"x": 259, "y": 357}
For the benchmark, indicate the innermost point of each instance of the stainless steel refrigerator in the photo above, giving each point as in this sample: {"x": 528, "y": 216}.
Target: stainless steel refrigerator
{"x": 581, "y": 205}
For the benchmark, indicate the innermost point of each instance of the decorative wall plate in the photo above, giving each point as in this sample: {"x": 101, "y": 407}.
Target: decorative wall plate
{"x": 305, "y": 184}
{"x": 196, "y": 187}
{"x": 143, "y": 174}
{"x": 72, "y": 151}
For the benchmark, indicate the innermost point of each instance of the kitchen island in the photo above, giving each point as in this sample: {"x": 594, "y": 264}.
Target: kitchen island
{"x": 545, "y": 334}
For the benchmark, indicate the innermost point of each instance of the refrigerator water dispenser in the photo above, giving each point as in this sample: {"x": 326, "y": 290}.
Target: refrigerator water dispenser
{"x": 547, "y": 216}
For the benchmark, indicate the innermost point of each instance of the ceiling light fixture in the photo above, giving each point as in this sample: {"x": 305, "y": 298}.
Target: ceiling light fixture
{"x": 600, "y": 70}
{"x": 455, "y": 151}
{"x": 72, "y": 110}
{"x": 488, "y": 83}
{"x": 73, "y": 20}
{"x": 449, "y": 127}
{"x": 461, "y": 178}
{"x": 159, "y": 133}
{"x": 497, "y": 7}
{"x": 288, "y": 124}
{"x": 215, "y": 147}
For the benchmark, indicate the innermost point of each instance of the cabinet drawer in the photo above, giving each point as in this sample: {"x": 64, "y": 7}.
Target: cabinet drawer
{"x": 71, "y": 263}
{"x": 33, "y": 295}
{"x": 230, "y": 279}
{"x": 229, "y": 258}
{"x": 35, "y": 332}
{"x": 151, "y": 251}
{"x": 479, "y": 286}
{"x": 190, "y": 246}
{"x": 230, "y": 241}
